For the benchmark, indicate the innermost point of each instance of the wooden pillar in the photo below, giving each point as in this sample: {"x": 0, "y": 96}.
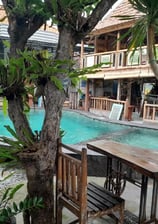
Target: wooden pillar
{"x": 129, "y": 91}
{"x": 87, "y": 97}
{"x": 95, "y": 44}
{"x": 81, "y": 54}
{"x": 117, "y": 58}
{"x": 118, "y": 41}
{"x": 119, "y": 90}
{"x": 117, "y": 49}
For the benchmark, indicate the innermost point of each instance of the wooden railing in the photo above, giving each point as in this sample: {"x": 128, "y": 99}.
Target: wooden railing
{"x": 150, "y": 112}
{"x": 104, "y": 103}
{"x": 117, "y": 59}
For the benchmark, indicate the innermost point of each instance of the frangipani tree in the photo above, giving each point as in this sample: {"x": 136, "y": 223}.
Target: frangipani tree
{"x": 75, "y": 19}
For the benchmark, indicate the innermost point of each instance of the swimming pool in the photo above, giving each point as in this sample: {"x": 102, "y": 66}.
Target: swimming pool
{"x": 79, "y": 128}
{"x": 140, "y": 137}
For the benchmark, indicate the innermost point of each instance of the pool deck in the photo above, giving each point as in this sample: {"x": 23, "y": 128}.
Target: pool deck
{"x": 131, "y": 196}
{"x": 135, "y": 122}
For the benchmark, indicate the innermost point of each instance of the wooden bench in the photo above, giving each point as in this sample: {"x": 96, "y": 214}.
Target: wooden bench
{"x": 82, "y": 199}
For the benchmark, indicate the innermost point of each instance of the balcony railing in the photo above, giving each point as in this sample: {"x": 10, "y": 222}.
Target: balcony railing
{"x": 104, "y": 103}
{"x": 117, "y": 59}
{"x": 150, "y": 112}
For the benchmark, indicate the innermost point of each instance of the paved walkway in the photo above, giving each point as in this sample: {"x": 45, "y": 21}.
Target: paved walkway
{"x": 136, "y": 120}
{"x": 131, "y": 196}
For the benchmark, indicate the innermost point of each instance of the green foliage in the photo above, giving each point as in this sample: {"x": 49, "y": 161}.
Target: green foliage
{"x": 20, "y": 76}
{"x": 29, "y": 9}
{"x": 72, "y": 13}
{"x": 149, "y": 17}
{"x": 8, "y": 209}
{"x": 5, "y": 106}
{"x": 12, "y": 75}
{"x": 12, "y": 146}
{"x": 14, "y": 209}
{"x": 62, "y": 133}
{"x": 76, "y": 6}
{"x": 148, "y": 8}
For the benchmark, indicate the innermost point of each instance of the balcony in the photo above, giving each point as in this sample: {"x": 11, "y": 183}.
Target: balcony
{"x": 119, "y": 64}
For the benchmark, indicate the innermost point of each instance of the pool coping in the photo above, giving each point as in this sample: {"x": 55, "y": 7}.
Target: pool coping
{"x": 134, "y": 123}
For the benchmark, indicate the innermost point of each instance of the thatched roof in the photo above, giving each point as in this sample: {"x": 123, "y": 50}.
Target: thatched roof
{"x": 111, "y": 23}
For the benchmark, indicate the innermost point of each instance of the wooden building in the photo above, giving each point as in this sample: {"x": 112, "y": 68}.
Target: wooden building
{"x": 124, "y": 77}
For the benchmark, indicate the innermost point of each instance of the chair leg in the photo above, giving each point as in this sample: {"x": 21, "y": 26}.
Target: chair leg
{"x": 121, "y": 217}
{"x": 83, "y": 219}
{"x": 59, "y": 214}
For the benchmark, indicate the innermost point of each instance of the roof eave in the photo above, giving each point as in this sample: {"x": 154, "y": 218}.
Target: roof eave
{"x": 112, "y": 28}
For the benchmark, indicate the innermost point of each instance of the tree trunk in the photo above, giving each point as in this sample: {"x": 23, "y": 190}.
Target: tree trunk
{"x": 151, "y": 55}
{"x": 39, "y": 161}
{"x": 16, "y": 114}
{"x": 38, "y": 158}
{"x": 39, "y": 166}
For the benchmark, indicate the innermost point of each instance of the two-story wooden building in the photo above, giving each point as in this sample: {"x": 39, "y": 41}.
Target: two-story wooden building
{"x": 124, "y": 77}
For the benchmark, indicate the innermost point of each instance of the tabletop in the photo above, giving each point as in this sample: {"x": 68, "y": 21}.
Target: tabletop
{"x": 142, "y": 160}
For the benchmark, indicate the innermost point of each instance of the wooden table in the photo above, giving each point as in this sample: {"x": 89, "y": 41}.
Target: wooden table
{"x": 145, "y": 162}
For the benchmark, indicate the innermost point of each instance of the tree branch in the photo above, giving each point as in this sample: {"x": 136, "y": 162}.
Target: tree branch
{"x": 98, "y": 13}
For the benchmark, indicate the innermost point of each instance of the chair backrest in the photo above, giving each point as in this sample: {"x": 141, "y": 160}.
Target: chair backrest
{"x": 72, "y": 177}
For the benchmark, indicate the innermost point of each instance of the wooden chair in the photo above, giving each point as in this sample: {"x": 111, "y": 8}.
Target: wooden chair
{"x": 85, "y": 201}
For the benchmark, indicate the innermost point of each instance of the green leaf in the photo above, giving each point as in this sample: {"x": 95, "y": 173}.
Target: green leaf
{"x": 9, "y": 211}
{"x": 5, "y": 194}
{"x": 35, "y": 200}
{"x": 11, "y": 131}
{"x": 21, "y": 205}
{"x": 30, "y": 202}
{"x": 14, "y": 190}
{"x": 5, "y": 106}
{"x": 6, "y": 177}
{"x": 57, "y": 82}
{"x": 15, "y": 207}
{"x": 4, "y": 212}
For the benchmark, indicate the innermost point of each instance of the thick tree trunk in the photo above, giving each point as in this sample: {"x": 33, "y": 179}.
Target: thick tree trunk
{"x": 16, "y": 114}
{"x": 39, "y": 166}
{"x": 39, "y": 158}
{"x": 39, "y": 161}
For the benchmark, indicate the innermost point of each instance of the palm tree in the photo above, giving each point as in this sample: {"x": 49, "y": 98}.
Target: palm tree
{"x": 146, "y": 28}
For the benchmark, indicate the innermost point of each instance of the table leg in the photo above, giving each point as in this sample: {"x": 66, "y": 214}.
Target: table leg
{"x": 115, "y": 178}
{"x": 143, "y": 198}
{"x": 154, "y": 200}
{"x": 108, "y": 174}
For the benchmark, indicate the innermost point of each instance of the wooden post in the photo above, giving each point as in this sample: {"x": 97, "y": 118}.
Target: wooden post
{"x": 117, "y": 49}
{"x": 81, "y": 54}
{"x": 145, "y": 111}
{"x": 119, "y": 90}
{"x": 87, "y": 97}
{"x": 95, "y": 44}
{"x": 126, "y": 109}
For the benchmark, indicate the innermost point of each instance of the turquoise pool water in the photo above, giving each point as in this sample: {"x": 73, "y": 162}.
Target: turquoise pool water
{"x": 79, "y": 128}
{"x": 141, "y": 137}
